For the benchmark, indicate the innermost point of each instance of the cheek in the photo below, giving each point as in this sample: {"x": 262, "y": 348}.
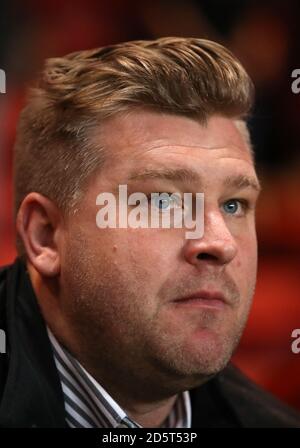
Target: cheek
{"x": 245, "y": 264}
{"x": 139, "y": 264}
{"x": 148, "y": 254}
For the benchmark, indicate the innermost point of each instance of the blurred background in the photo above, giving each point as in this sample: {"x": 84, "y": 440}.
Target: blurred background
{"x": 264, "y": 35}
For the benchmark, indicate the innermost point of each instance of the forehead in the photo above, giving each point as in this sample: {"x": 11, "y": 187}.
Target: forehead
{"x": 142, "y": 138}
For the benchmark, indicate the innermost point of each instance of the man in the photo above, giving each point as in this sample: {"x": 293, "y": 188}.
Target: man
{"x": 133, "y": 326}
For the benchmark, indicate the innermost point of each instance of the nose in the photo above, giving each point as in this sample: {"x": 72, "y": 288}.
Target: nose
{"x": 217, "y": 246}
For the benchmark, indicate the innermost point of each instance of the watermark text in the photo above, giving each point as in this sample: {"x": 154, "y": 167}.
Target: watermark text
{"x": 156, "y": 210}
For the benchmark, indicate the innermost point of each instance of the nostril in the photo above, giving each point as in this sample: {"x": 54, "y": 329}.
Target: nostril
{"x": 205, "y": 256}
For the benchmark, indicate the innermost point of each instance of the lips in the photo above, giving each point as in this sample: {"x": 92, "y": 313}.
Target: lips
{"x": 204, "y": 298}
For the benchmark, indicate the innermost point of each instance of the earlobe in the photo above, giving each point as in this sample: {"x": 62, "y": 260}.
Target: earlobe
{"x": 39, "y": 224}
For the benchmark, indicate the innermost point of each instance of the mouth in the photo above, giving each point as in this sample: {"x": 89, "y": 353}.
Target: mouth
{"x": 203, "y": 299}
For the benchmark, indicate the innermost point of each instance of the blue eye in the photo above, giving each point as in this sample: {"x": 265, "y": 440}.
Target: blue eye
{"x": 165, "y": 201}
{"x": 232, "y": 206}
{"x": 162, "y": 203}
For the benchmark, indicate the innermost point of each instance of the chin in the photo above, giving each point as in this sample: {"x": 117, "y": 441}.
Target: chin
{"x": 189, "y": 376}
{"x": 209, "y": 350}
{"x": 215, "y": 351}
{"x": 199, "y": 359}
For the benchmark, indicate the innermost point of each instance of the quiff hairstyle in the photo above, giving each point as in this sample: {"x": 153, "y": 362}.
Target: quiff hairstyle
{"x": 54, "y": 154}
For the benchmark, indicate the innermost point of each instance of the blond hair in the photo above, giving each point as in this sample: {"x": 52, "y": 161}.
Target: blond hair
{"x": 187, "y": 76}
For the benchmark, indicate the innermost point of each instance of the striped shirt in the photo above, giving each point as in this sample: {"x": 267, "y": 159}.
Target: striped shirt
{"x": 88, "y": 404}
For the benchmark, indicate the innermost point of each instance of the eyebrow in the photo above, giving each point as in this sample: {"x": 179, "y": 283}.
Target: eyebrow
{"x": 241, "y": 181}
{"x": 190, "y": 176}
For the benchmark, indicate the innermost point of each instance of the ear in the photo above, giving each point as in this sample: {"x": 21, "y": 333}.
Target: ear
{"x": 40, "y": 225}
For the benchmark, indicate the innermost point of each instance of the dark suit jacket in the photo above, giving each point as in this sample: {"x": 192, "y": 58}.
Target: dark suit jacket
{"x": 30, "y": 390}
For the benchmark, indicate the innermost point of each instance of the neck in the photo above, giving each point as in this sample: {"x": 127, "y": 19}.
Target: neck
{"x": 146, "y": 409}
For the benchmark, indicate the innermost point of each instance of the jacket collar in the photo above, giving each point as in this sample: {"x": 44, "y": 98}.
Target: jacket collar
{"x": 32, "y": 396}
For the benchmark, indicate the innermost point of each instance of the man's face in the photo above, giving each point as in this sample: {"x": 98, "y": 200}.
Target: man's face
{"x": 122, "y": 289}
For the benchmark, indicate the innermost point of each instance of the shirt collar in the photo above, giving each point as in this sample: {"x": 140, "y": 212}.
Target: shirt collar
{"x": 89, "y": 405}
